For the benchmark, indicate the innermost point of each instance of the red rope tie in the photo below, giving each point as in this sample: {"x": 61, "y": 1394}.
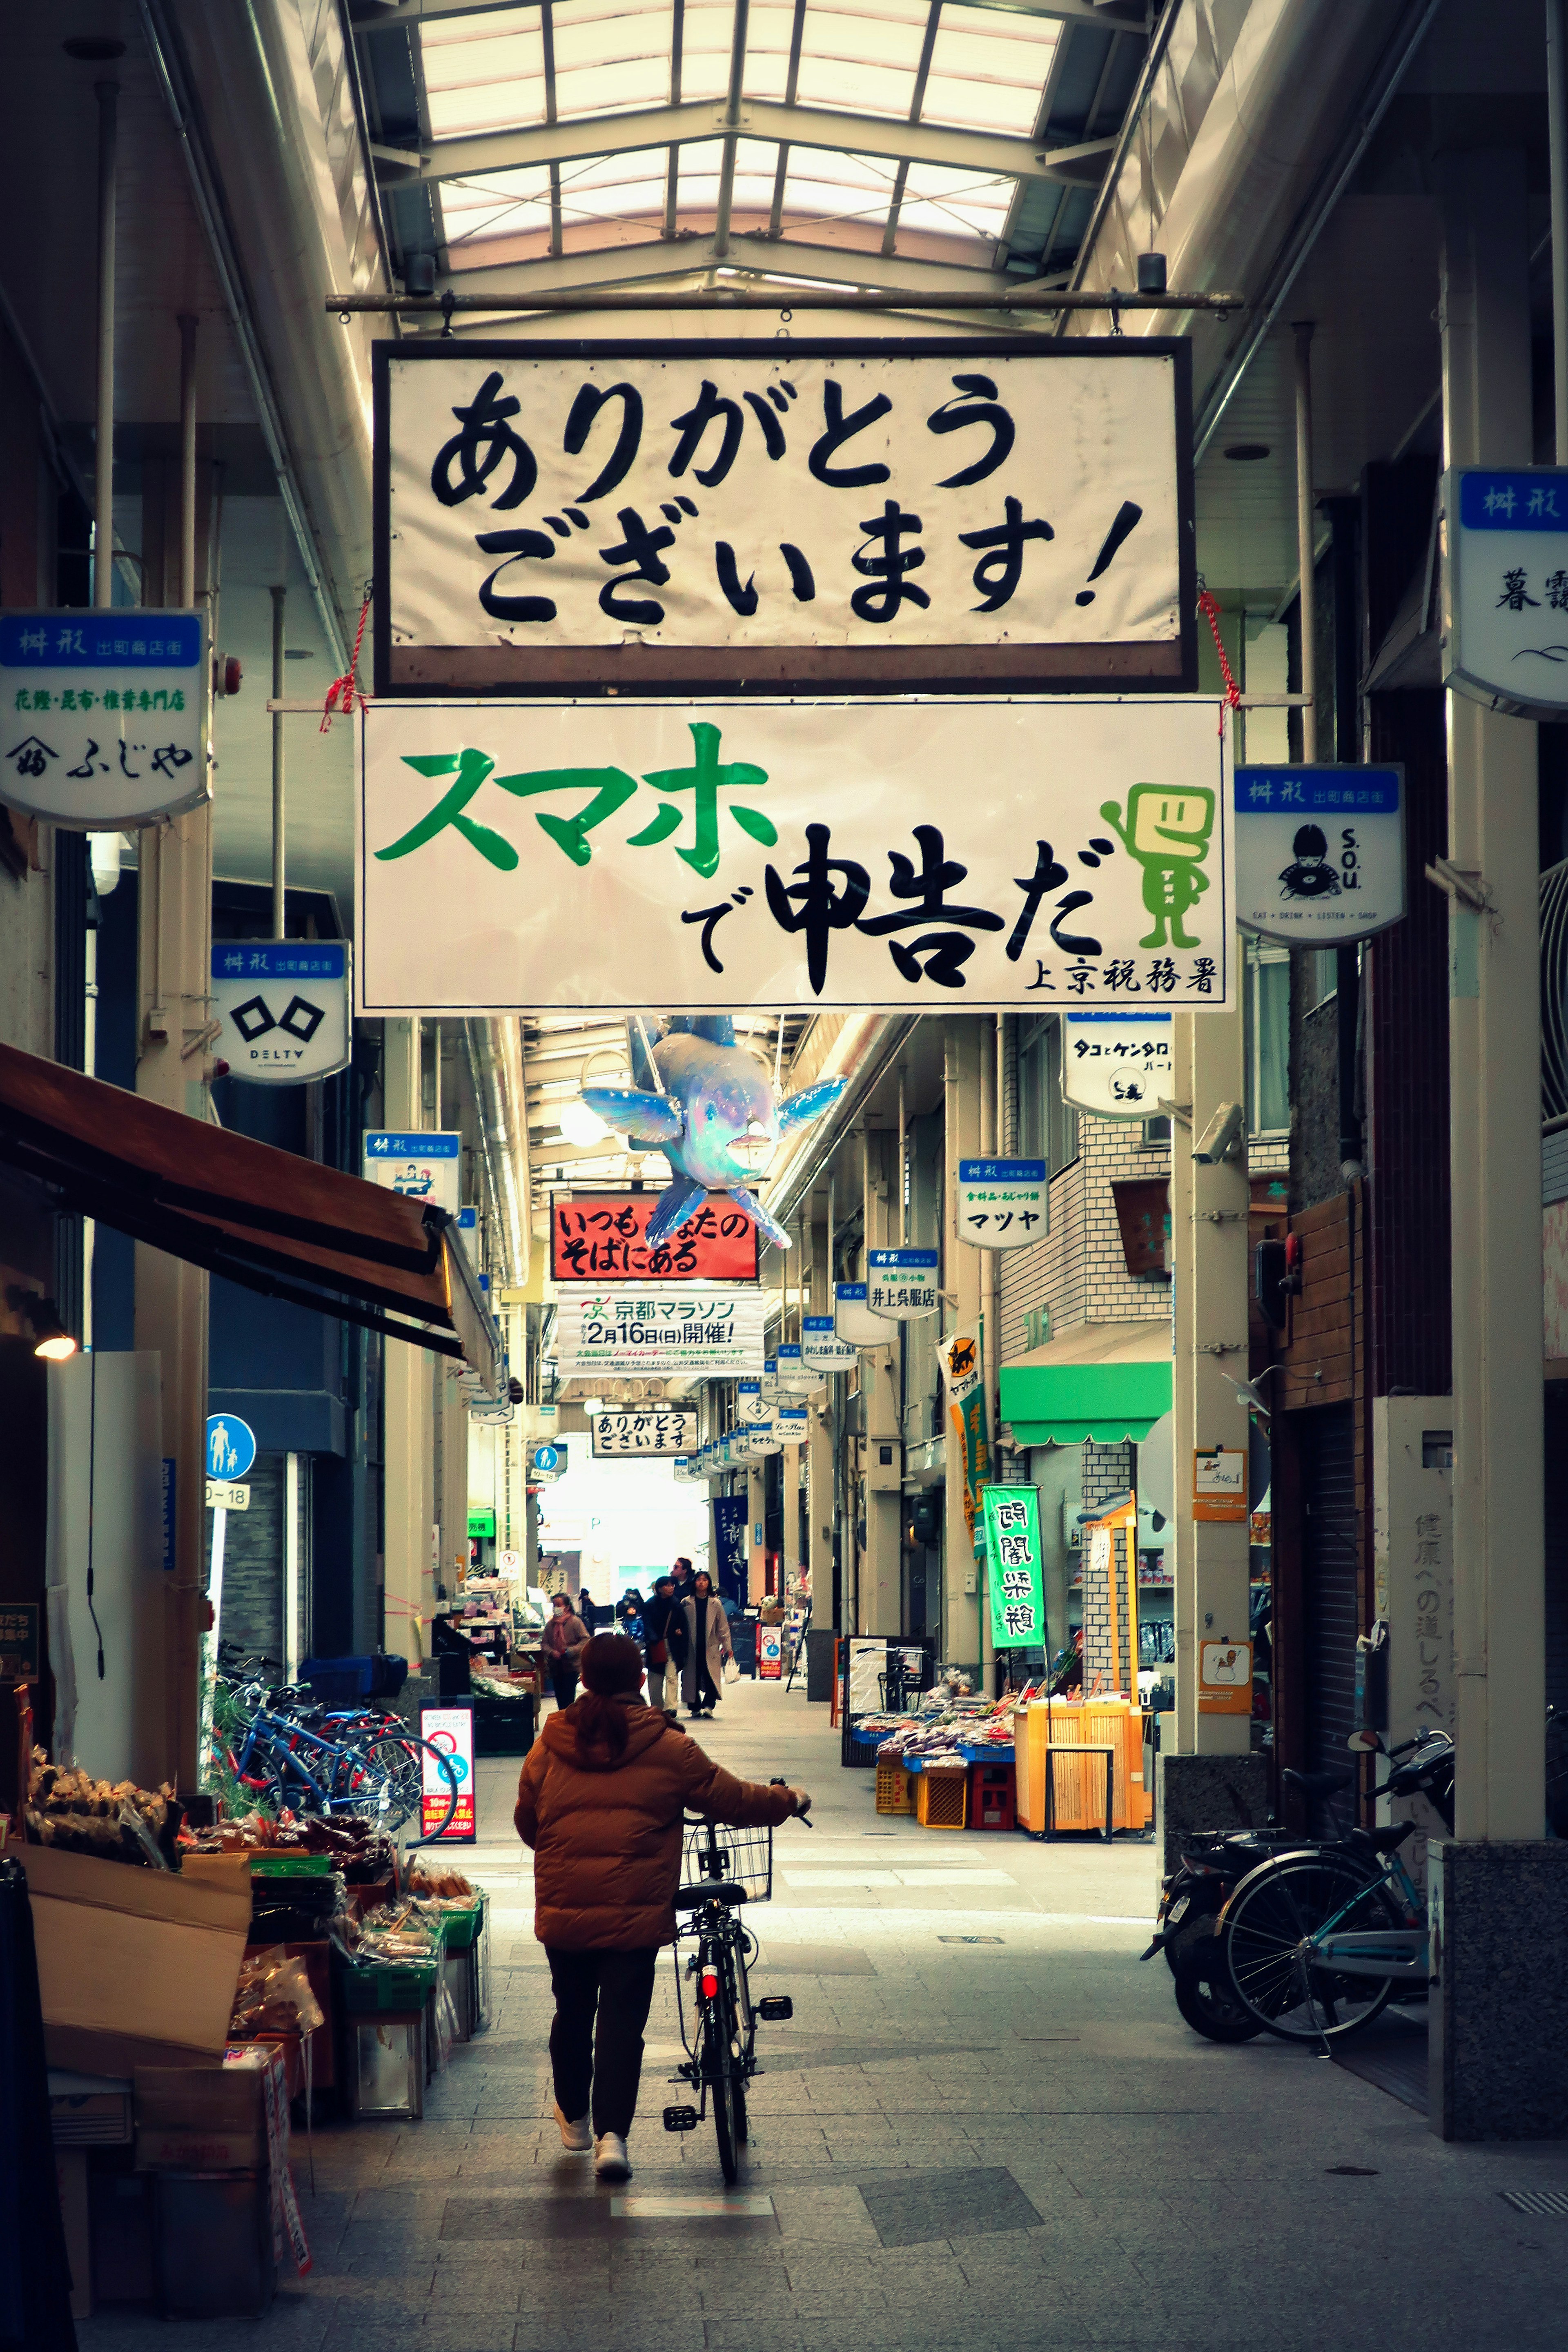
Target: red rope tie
{"x": 341, "y": 692}
{"x": 1208, "y": 606}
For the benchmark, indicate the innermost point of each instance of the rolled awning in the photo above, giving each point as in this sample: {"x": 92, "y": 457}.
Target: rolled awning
{"x": 1107, "y": 1382}
{"x": 265, "y": 1218}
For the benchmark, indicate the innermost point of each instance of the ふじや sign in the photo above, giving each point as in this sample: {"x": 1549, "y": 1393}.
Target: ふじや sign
{"x": 104, "y": 716}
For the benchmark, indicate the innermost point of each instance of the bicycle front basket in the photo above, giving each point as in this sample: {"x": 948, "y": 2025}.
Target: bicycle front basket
{"x": 746, "y": 1858}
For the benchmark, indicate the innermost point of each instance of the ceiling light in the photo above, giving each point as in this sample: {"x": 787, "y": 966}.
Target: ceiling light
{"x": 592, "y": 1404}
{"x": 1247, "y": 453}
{"x": 580, "y": 1125}
{"x": 50, "y": 1339}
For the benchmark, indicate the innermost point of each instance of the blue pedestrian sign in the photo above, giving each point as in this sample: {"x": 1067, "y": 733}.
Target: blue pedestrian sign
{"x": 231, "y": 1445}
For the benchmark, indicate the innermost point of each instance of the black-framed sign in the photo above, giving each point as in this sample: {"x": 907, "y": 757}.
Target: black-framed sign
{"x": 887, "y": 515}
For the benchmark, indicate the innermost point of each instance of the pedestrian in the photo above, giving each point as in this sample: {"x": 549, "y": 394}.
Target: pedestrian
{"x": 563, "y": 1639}
{"x": 599, "y": 1800}
{"x": 682, "y": 1579}
{"x": 630, "y": 1613}
{"x": 708, "y": 1646}
{"x": 663, "y": 1688}
{"x": 586, "y": 1611}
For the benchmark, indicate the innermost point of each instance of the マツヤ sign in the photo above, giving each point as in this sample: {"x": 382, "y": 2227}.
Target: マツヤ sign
{"x": 1003, "y": 1203}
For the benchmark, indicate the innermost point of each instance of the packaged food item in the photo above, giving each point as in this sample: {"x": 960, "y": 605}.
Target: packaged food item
{"x": 109, "y": 1821}
{"x": 274, "y": 1996}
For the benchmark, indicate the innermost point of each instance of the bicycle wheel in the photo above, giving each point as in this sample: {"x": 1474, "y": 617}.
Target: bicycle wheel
{"x": 720, "y": 2080}
{"x": 1267, "y": 1931}
{"x": 1205, "y": 1995}
{"x": 386, "y": 1779}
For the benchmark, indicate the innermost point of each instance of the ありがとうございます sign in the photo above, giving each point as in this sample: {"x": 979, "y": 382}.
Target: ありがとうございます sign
{"x": 757, "y": 851}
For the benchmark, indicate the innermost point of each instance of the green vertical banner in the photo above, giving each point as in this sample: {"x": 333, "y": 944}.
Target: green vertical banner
{"x": 1013, "y": 1566}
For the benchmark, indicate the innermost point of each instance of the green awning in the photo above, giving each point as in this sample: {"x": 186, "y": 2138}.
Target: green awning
{"x": 1101, "y": 1380}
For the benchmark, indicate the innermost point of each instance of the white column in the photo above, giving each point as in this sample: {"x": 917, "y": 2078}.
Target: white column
{"x": 408, "y": 1412}
{"x": 960, "y": 1633}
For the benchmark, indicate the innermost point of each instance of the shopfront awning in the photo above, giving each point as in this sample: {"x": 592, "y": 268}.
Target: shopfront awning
{"x": 261, "y": 1217}
{"x": 1108, "y": 1381}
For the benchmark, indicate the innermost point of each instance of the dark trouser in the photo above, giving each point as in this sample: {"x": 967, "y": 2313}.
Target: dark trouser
{"x": 620, "y": 1986}
{"x": 563, "y": 1682}
{"x": 707, "y": 1689}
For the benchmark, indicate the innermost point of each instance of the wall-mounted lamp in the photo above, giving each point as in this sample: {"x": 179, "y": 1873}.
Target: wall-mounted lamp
{"x": 50, "y": 1339}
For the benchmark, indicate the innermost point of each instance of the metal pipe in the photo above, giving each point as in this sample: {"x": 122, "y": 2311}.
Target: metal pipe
{"x": 1557, "y": 138}
{"x": 770, "y": 298}
{"x": 547, "y": 37}
{"x": 1306, "y": 538}
{"x": 280, "y": 931}
{"x": 901, "y": 177}
{"x": 731, "y": 128}
{"x": 903, "y": 1168}
{"x": 792, "y": 87}
{"x": 187, "y": 583}
{"x": 672, "y": 169}
{"x": 108, "y": 96}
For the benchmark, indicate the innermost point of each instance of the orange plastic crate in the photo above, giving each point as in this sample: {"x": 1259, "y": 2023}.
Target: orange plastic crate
{"x": 941, "y": 1800}
{"x": 893, "y": 1787}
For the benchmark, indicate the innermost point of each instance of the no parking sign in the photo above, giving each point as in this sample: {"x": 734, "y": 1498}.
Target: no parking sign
{"x": 770, "y": 1652}
{"x": 450, "y": 1731}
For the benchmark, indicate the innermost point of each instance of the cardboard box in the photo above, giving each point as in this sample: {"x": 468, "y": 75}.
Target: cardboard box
{"x": 230, "y": 1870}
{"x": 136, "y": 1967}
{"x": 201, "y": 2118}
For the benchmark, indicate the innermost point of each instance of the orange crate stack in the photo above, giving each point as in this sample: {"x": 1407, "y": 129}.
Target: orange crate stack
{"x": 941, "y": 1798}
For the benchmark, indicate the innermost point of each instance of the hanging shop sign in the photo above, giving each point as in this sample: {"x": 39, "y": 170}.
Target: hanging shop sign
{"x": 688, "y": 1331}
{"x": 853, "y": 1320}
{"x": 1003, "y": 1203}
{"x": 962, "y": 1369}
{"x": 1117, "y": 1064}
{"x": 839, "y": 515}
{"x": 647, "y": 1435}
{"x": 598, "y": 1237}
{"x": 282, "y": 1009}
{"x": 755, "y": 1442}
{"x": 449, "y": 1731}
{"x": 900, "y": 1284}
{"x": 103, "y": 715}
{"x": 793, "y": 1372}
{"x": 730, "y": 1546}
{"x": 1219, "y": 1484}
{"x": 1320, "y": 852}
{"x": 423, "y": 1167}
{"x": 514, "y": 855}
{"x": 750, "y": 1403}
{"x": 1505, "y": 623}
{"x": 793, "y": 1423}
{"x": 1013, "y": 1573}
{"x": 821, "y": 1348}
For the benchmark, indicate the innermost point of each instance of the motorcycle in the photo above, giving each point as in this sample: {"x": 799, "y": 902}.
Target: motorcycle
{"x": 1214, "y": 1862}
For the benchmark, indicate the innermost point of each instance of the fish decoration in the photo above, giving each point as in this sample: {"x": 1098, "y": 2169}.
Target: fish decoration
{"x": 698, "y": 1097}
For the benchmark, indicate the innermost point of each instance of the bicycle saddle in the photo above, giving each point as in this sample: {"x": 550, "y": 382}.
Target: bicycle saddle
{"x": 1385, "y": 1839}
{"x": 1321, "y": 1784}
{"x": 717, "y": 1890}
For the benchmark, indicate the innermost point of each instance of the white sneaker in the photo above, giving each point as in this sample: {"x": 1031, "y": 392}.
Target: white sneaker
{"x": 611, "y": 2161}
{"x": 574, "y": 2136}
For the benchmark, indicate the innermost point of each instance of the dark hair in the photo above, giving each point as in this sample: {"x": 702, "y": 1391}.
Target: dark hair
{"x": 704, "y": 1577}
{"x": 558, "y": 1599}
{"x": 681, "y": 1560}
{"x": 660, "y": 1582}
{"x": 612, "y": 1668}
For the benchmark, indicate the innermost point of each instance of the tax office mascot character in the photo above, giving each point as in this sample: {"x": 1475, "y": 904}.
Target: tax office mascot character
{"x": 1167, "y": 831}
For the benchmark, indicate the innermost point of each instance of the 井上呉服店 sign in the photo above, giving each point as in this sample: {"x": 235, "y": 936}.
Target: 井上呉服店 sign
{"x": 900, "y": 1284}
{"x": 897, "y": 856}
{"x": 825, "y": 514}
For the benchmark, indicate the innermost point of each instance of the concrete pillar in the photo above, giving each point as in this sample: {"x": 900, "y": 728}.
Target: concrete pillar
{"x": 409, "y": 1417}
{"x": 1498, "y": 2023}
{"x": 756, "y": 1529}
{"x": 819, "y": 1446}
{"x": 881, "y": 1598}
{"x": 962, "y": 1047}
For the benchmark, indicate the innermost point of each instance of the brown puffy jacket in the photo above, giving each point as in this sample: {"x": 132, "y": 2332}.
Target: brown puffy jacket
{"x": 606, "y": 1829}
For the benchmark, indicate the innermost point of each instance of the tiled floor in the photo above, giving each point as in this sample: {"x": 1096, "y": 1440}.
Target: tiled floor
{"x": 958, "y": 2145}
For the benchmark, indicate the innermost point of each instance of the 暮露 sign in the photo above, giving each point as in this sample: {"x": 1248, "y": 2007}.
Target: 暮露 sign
{"x": 282, "y": 1009}
{"x": 900, "y": 1284}
{"x": 1319, "y": 852}
{"x": 424, "y": 1167}
{"x": 103, "y": 714}
{"x": 681, "y": 1331}
{"x": 927, "y": 512}
{"x": 1003, "y": 1203}
{"x": 853, "y": 1320}
{"x": 821, "y": 1348}
{"x": 598, "y": 1237}
{"x": 450, "y": 1731}
{"x": 647, "y": 1435}
{"x": 1013, "y": 1566}
{"x": 1504, "y": 628}
{"x": 1117, "y": 1064}
{"x": 897, "y": 856}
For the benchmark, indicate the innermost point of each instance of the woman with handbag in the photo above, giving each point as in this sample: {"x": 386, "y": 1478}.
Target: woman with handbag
{"x": 563, "y": 1642}
{"x": 709, "y": 1649}
{"x": 658, "y": 1635}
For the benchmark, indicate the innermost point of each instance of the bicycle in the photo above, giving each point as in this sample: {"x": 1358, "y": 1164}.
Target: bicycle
{"x": 289, "y": 1763}
{"x": 733, "y": 1867}
{"x": 1318, "y": 1941}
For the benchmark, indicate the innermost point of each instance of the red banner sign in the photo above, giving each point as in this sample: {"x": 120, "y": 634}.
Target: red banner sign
{"x": 598, "y": 1237}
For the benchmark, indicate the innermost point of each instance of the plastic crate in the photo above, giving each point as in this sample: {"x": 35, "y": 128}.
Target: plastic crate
{"x": 894, "y": 1789}
{"x": 389, "y": 1988}
{"x": 941, "y": 1800}
{"x": 461, "y": 1929}
{"x": 860, "y": 1755}
{"x": 992, "y": 1798}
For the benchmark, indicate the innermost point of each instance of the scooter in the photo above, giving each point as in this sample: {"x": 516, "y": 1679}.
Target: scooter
{"x": 1214, "y": 1862}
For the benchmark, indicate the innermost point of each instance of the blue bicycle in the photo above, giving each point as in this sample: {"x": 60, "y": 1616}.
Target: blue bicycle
{"x": 387, "y": 1777}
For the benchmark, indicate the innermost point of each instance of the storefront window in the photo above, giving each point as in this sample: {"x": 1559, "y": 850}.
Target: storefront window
{"x": 1048, "y": 1127}
{"x": 1267, "y": 1039}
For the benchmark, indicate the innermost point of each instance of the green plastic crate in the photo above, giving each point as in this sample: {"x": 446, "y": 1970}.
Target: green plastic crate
{"x": 272, "y": 1864}
{"x": 385, "y": 1988}
{"x": 460, "y": 1930}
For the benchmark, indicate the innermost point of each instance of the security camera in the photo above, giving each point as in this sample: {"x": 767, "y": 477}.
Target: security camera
{"x": 1221, "y": 1138}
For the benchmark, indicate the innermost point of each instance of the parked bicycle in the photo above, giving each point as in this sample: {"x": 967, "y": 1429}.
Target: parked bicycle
{"x": 291, "y": 1755}
{"x": 727, "y": 1868}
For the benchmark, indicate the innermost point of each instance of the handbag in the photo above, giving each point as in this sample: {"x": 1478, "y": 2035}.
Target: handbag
{"x": 731, "y": 1671}
{"x": 658, "y": 1655}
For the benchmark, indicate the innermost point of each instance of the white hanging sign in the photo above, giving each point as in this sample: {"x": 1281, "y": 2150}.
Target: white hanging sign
{"x": 542, "y": 512}
{"x": 104, "y": 715}
{"x": 282, "y": 1009}
{"x": 1505, "y": 626}
{"x": 1003, "y": 1203}
{"x": 1320, "y": 852}
{"x": 793, "y": 1424}
{"x": 1117, "y": 1064}
{"x": 900, "y": 1284}
{"x": 821, "y": 1348}
{"x": 853, "y": 1320}
{"x": 749, "y": 1400}
{"x": 647, "y": 1435}
{"x": 422, "y": 1167}
{"x": 793, "y": 1372}
{"x": 513, "y": 856}
{"x": 663, "y": 1331}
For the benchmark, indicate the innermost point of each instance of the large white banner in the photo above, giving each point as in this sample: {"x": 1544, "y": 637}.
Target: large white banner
{"x": 659, "y": 1331}
{"x": 962, "y": 855}
{"x": 547, "y": 515}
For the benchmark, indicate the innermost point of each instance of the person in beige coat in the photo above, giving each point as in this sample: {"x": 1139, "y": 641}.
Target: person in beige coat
{"x": 708, "y": 1646}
